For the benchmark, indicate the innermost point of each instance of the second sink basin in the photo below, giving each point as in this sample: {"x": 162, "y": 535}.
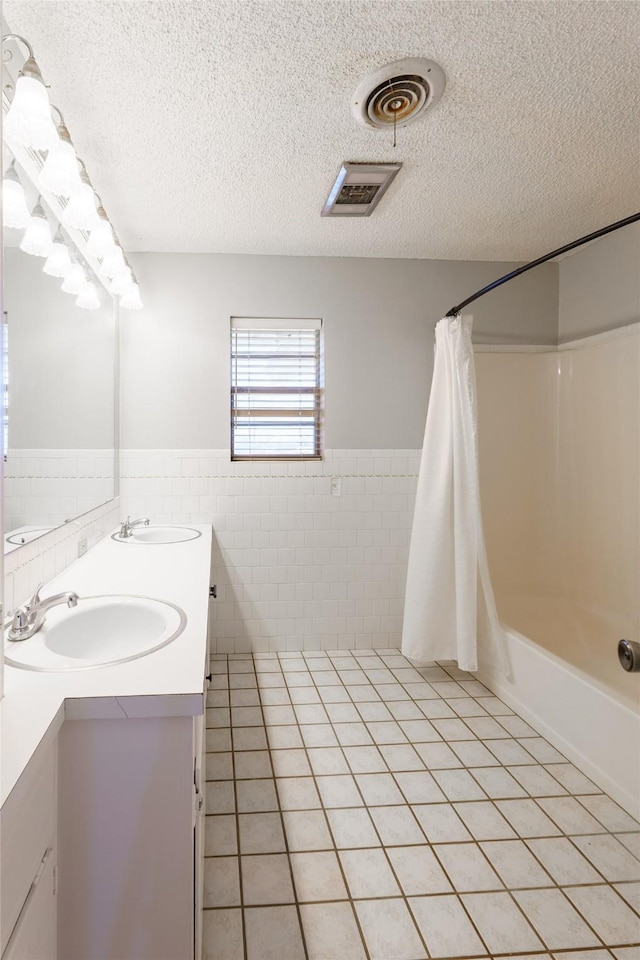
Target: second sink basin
{"x": 101, "y": 630}
{"x": 155, "y": 533}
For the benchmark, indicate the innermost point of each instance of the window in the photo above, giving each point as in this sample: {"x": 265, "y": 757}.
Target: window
{"x": 276, "y": 389}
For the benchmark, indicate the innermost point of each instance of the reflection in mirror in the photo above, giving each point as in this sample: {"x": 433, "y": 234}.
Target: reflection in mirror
{"x": 60, "y": 321}
{"x": 60, "y": 425}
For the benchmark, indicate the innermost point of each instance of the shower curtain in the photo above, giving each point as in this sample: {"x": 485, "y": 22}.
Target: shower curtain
{"x": 449, "y": 602}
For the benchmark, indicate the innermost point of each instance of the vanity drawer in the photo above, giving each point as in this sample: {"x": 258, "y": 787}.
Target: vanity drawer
{"x": 27, "y": 831}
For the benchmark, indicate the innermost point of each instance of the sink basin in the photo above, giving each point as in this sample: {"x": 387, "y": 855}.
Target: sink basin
{"x": 101, "y": 630}
{"x": 26, "y": 535}
{"x": 158, "y": 534}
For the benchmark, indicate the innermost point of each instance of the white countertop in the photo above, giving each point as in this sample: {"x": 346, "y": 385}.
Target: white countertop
{"x": 168, "y": 682}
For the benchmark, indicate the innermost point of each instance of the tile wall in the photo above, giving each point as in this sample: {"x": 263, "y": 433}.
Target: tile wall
{"x": 306, "y": 555}
{"x": 47, "y": 486}
{"x": 50, "y": 554}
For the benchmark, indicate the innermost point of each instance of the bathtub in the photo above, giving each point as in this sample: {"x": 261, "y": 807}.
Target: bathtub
{"x": 565, "y": 679}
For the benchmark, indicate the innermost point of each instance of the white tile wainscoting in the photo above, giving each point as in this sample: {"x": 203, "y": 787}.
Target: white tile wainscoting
{"x": 297, "y": 566}
{"x": 50, "y": 554}
{"x": 54, "y": 484}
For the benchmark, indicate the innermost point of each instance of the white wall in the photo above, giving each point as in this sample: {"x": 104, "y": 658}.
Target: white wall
{"x": 600, "y": 285}
{"x": 295, "y": 566}
{"x": 378, "y": 316}
{"x": 61, "y": 362}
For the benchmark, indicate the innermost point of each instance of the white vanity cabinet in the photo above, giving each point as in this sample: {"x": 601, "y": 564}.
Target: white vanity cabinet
{"x": 128, "y": 837}
{"x": 28, "y": 851}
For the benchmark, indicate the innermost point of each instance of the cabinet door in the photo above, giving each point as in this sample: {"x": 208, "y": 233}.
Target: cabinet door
{"x": 34, "y": 936}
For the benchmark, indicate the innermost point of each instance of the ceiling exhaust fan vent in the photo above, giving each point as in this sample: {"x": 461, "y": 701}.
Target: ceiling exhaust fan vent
{"x": 358, "y": 189}
{"x": 398, "y": 93}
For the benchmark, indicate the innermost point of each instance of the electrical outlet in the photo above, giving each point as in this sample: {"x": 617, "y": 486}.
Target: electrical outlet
{"x": 82, "y": 547}
{"x": 336, "y": 486}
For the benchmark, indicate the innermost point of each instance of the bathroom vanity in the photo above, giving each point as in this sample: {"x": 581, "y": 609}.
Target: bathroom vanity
{"x": 102, "y": 812}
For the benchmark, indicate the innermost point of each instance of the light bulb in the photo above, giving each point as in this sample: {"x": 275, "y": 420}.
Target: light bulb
{"x": 28, "y": 121}
{"x": 37, "y": 238}
{"x": 101, "y": 242}
{"x": 75, "y": 280}
{"x": 131, "y": 299}
{"x": 81, "y": 210}
{"x": 60, "y": 173}
{"x": 58, "y": 263}
{"x": 88, "y": 298}
{"x": 15, "y": 212}
{"x": 113, "y": 264}
{"x": 121, "y": 284}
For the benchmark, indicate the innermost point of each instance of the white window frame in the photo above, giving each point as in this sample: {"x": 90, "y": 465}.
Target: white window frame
{"x": 317, "y": 390}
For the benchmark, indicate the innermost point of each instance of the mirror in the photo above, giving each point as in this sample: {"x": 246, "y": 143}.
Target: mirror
{"x": 60, "y": 424}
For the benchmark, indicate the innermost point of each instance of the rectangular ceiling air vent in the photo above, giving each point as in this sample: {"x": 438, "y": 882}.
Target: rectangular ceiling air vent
{"x": 359, "y": 188}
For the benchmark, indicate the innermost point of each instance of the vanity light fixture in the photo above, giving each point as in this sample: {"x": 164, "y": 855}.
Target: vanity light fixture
{"x": 30, "y": 129}
{"x": 37, "y": 239}
{"x": 75, "y": 280}
{"x": 88, "y": 298}
{"x": 15, "y": 212}
{"x": 81, "y": 211}
{"x": 113, "y": 264}
{"x": 131, "y": 300}
{"x": 58, "y": 263}
{"x": 101, "y": 243}
{"x": 28, "y": 121}
{"x": 60, "y": 173}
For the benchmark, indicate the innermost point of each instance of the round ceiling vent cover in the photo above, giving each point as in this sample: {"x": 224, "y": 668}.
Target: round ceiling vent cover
{"x": 399, "y": 92}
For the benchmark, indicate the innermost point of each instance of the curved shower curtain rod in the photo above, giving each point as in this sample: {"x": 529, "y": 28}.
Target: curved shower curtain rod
{"x": 549, "y": 256}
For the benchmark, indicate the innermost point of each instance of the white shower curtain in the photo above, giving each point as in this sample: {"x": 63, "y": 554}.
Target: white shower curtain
{"x": 449, "y": 602}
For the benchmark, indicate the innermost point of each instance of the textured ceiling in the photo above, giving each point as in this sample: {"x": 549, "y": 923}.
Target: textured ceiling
{"x": 220, "y": 126}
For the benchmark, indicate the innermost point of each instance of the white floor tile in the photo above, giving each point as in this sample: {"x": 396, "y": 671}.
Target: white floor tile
{"x": 401, "y": 756}
{"x": 307, "y": 830}
{"x": 266, "y": 879}
{"x": 319, "y": 735}
{"x": 282, "y": 738}
{"x": 609, "y": 857}
{"x": 445, "y": 927}
{"x": 572, "y": 779}
{"x": 273, "y": 933}
{"x": 297, "y": 793}
{"x": 221, "y": 882}
{"x": 609, "y": 813}
{"x": 249, "y": 738}
{"x": 220, "y": 838}
{"x": 458, "y": 785}
{"x": 389, "y": 931}
{"x": 327, "y": 760}
{"x": 484, "y": 821}
{"x": 527, "y": 819}
{"x": 256, "y": 796}
{"x": 419, "y": 787}
{"x": 441, "y": 823}
{"x": 219, "y": 766}
{"x": 438, "y": 756}
{"x": 330, "y": 930}
{"x": 379, "y": 789}
{"x": 396, "y": 826}
{"x": 252, "y": 764}
{"x": 339, "y": 791}
{"x": 570, "y": 816}
{"x": 352, "y": 828}
{"x": 317, "y": 876}
{"x": 222, "y": 935}
{"x": 260, "y": 833}
{"x": 368, "y": 874}
{"x": 386, "y": 731}
{"x": 515, "y": 864}
{"x": 500, "y": 923}
{"x": 559, "y": 925}
{"x": 497, "y": 783}
{"x": 467, "y": 867}
{"x": 418, "y": 870}
{"x": 365, "y": 759}
{"x": 473, "y": 753}
{"x": 290, "y": 763}
{"x": 563, "y": 862}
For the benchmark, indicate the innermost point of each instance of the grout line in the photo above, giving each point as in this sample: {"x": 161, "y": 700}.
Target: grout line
{"x": 305, "y": 666}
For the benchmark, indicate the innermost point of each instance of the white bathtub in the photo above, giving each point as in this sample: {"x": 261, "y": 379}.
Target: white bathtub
{"x": 565, "y": 679}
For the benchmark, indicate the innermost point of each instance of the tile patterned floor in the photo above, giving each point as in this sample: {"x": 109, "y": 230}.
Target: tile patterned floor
{"x": 359, "y": 809}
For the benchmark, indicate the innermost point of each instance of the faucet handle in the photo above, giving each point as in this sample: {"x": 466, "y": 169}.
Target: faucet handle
{"x": 36, "y": 596}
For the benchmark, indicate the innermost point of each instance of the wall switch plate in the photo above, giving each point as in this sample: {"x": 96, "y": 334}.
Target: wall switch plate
{"x": 82, "y": 547}
{"x": 336, "y": 486}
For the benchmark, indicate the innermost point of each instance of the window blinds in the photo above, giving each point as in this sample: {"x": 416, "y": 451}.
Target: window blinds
{"x": 276, "y": 389}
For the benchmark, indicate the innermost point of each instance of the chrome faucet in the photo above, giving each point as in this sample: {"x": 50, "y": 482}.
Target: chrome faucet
{"x": 127, "y": 525}
{"x": 28, "y": 618}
